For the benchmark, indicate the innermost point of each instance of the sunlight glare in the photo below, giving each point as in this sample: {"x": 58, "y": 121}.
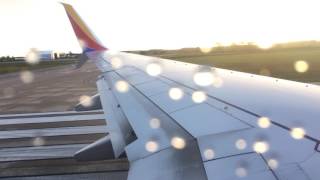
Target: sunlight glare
{"x": 122, "y": 86}
{"x": 273, "y": 163}
{"x": 205, "y": 50}
{"x": 178, "y": 142}
{"x": 264, "y": 122}
{"x": 151, "y": 146}
{"x": 86, "y": 101}
{"x": 217, "y": 82}
{"x": 301, "y": 66}
{"x": 175, "y": 93}
{"x": 199, "y": 96}
{"x": 209, "y": 154}
{"x": 38, "y": 141}
{"x": 26, "y": 77}
{"x": 241, "y": 172}
{"x": 32, "y": 57}
{"x": 261, "y": 147}
{"x": 155, "y": 123}
{"x": 298, "y": 133}
{"x": 241, "y": 144}
{"x": 265, "y": 44}
{"x": 203, "y": 78}
{"x": 154, "y": 69}
{"x": 116, "y": 62}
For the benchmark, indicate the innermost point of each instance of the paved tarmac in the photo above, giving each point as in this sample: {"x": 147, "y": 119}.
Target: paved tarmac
{"x": 42, "y": 145}
{"x": 54, "y": 89}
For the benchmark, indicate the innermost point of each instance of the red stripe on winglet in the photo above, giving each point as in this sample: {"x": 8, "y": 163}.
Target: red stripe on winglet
{"x": 81, "y": 35}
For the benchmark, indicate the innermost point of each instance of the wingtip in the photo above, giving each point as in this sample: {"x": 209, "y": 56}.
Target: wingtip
{"x": 64, "y": 4}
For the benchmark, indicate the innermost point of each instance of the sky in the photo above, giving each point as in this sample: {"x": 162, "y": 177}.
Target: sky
{"x": 150, "y": 24}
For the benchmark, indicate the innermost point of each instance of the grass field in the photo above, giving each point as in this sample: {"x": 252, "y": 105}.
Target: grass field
{"x": 276, "y": 62}
{"x": 19, "y": 66}
{"x": 279, "y": 62}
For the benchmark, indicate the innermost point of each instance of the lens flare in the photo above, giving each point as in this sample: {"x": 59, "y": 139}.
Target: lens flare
{"x": 175, "y": 93}
{"x": 273, "y": 163}
{"x": 260, "y": 147}
{"x": 301, "y": 66}
{"x": 205, "y": 50}
{"x": 38, "y": 141}
{"x": 199, "y": 96}
{"x": 151, "y": 146}
{"x": 178, "y": 142}
{"x": 155, "y": 123}
{"x": 26, "y": 77}
{"x": 264, "y": 122}
{"x": 265, "y": 44}
{"x": 116, "y": 62}
{"x": 241, "y": 144}
{"x": 217, "y": 82}
{"x": 85, "y": 100}
{"x": 298, "y": 133}
{"x": 209, "y": 154}
{"x": 154, "y": 69}
{"x": 122, "y": 86}
{"x": 32, "y": 57}
{"x": 82, "y": 44}
{"x": 241, "y": 172}
{"x": 203, "y": 78}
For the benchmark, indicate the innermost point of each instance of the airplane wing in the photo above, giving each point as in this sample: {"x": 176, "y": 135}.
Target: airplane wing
{"x": 176, "y": 120}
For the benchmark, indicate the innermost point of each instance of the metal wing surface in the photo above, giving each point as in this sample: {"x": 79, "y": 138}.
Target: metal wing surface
{"x": 230, "y": 124}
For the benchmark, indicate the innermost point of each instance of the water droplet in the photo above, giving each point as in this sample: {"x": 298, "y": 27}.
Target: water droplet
{"x": 264, "y": 122}
{"x": 154, "y": 69}
{"x": 155, "y": 123}
{"x": 260, "y": 147}
{"x": 178, "y": 142}
{"x": 85, "y": 100}
{"x": 273, "y": 163}
{"x": 122, "y": 86}
{"x": 209, "y": 154}
{"x": 151, "y": 146}
{"x": 241, "y": 172}
{"x": 301, "y": 66}
{"x": 26, "y": 77}
{"x": 241, "y": 144}
{"x": 203, "y": 78}
{"x": 32, "y": 57}
{"x": 175, "y": 93}
{"x": 298, "y": 133}
{"x": 199, "y": 96}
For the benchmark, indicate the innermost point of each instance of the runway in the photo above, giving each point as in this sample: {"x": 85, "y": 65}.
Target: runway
{"x": 36, "y": 150}
{"x": 51, "y": 90}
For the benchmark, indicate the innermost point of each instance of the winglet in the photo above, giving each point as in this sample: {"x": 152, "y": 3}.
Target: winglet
{"x": 87, "y": 40}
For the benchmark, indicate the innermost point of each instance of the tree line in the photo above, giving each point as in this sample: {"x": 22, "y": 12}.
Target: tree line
{"x": 7, "y": 59}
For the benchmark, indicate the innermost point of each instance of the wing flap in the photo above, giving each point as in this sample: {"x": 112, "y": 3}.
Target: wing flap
{"x": 170, "y": 164}
{"x": 140, "y": 111}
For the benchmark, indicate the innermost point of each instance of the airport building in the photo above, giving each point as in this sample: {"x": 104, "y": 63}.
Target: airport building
{"x": 46, "y": 55}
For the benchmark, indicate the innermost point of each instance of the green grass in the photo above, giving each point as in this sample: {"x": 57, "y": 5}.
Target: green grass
{"x": 19, "y": 66}
{"x": 279, "y": 61}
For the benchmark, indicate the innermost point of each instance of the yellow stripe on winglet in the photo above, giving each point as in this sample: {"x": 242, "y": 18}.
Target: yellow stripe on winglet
{"x": 78, "y": 20}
